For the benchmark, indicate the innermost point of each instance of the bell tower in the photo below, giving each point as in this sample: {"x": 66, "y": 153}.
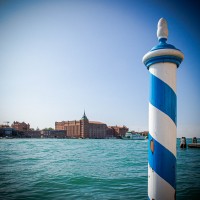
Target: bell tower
{"x": 84, "y": 133}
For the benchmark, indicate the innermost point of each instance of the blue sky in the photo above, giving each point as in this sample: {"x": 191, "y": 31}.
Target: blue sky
{"x": 58, "y": 58}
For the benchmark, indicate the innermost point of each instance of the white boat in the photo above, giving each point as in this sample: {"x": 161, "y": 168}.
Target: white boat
{"x": 133, "y": 136}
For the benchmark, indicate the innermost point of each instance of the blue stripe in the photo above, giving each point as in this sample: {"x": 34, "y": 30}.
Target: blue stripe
{"x": 162, "y": 97}
{"x": 163, "y": 162}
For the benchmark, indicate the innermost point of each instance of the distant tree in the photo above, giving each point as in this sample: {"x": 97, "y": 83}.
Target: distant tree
{"x": 48, "y": 129}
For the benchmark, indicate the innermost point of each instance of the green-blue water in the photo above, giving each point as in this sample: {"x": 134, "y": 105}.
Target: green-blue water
{"x": 86, "y": 169}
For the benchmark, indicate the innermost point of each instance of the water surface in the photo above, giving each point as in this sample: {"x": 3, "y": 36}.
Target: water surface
{"x": 86, "y": 169}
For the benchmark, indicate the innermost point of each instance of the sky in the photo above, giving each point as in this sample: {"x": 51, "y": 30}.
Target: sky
{"x": 59, "y": 58}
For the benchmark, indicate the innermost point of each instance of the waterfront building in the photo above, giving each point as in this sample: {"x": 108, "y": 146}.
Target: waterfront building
{"x": 6, "y": 131}
{"x": 31, "y": 134}
{"x": 144, "y": 133}
{"x": 84, "y": 128}
{"x": 20, "y": 126}
{"x": 4, "y": 126}
{"x": 53, "y": 134}
{"x": 116, "y": 131}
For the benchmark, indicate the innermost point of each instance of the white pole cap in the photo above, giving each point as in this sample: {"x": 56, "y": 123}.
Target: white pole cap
{"x": 162, "y": 29}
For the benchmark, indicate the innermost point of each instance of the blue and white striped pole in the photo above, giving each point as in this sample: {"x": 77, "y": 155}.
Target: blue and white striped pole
{"x": 162, "y": 62}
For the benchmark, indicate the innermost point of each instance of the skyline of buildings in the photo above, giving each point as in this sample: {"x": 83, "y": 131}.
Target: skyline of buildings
{"x": 82, "y": 128}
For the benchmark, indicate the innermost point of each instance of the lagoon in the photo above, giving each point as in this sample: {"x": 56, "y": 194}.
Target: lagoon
{"x": 86, "y": 169}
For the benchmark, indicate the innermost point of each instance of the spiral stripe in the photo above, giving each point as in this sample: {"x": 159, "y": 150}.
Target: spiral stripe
{"x": 165, "y": 73}
{"x": 166, "y": 167}
{"x": 163, "y": 97}
{"x": 162, "y": 190}
{"x": 159, "y": 122}
{"x": 162, "y": 131}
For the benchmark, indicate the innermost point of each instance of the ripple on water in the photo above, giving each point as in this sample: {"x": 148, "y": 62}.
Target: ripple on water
{"x": 86, "y": 169}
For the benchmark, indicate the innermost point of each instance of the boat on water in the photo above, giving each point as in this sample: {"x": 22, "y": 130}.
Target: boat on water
{"x": 194, "y": 143}
{"x": 134, "y": 136}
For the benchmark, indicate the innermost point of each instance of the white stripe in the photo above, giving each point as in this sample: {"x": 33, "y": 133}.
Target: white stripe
{"x": 162, "y": 52}
{"x": 162, "y": 128}
{"x": 166, "y": 72}
{"x": 158, "y": 188}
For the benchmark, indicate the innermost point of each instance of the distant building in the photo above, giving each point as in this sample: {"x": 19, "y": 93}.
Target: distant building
{"x": 53, "y": 134}
{"x": 7, "y": 131}
{"x": 83, "y": 128}
{"x": 97, "y": 130}
{"x": 117, "y": 131}
{"x": 4, "y": 126}
{"x": 20, "y": 126}
{"x": 31, "y": 134}
{"x": 144, "y": 133}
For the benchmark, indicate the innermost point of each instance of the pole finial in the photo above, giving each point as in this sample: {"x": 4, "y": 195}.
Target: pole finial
{"x": 162, "y": 29}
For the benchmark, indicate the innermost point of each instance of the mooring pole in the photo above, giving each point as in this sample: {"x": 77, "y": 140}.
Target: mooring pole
{"x": 162, "y": 62}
